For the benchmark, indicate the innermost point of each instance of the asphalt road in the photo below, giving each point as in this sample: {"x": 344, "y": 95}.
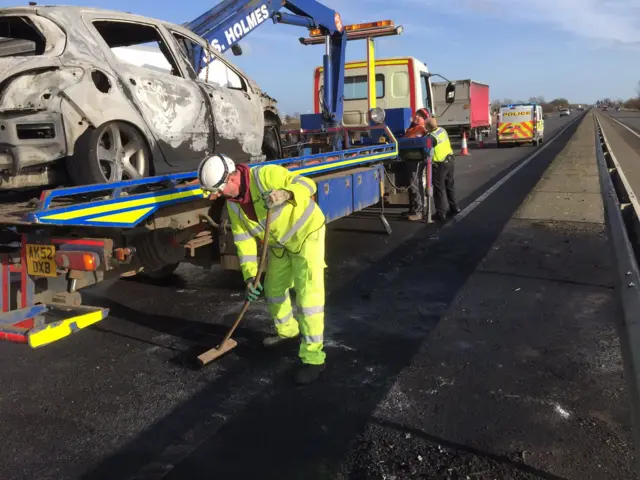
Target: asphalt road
{"x": 122, "y": 399}
{"x": 625, "y": 144}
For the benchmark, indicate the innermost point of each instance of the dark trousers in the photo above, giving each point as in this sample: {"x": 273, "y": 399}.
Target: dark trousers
{"x": 444, "y": 193}
{"x": 415, "y": 171}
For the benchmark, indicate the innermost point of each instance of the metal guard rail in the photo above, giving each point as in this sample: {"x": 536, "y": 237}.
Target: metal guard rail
{"x": 622, "y": 218}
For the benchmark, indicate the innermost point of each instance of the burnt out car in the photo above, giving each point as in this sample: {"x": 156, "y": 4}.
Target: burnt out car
{"x": 94, "y": 96}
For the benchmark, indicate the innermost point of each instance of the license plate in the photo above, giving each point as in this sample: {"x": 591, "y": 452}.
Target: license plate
{"x": 41, "y": 260}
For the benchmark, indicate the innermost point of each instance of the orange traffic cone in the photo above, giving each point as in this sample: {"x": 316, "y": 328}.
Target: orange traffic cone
{"x": 465, "y": 150}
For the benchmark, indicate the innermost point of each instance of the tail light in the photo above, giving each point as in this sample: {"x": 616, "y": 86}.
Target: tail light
{"x": 72, "y": 260}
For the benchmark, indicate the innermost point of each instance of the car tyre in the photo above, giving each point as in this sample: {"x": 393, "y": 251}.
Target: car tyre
{"x": 113, "y": 152}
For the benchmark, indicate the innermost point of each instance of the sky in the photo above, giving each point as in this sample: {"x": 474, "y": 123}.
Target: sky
{"x": 582, "y": 50}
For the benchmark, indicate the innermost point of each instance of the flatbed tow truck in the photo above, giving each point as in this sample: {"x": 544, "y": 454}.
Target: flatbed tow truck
{"x": 71, "y": 238}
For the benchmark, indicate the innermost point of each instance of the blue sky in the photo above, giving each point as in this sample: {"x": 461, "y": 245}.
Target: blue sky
{"x": 582, "y": 50}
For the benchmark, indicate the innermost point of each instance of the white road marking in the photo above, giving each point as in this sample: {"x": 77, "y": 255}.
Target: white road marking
{"x": 622, "y": 124}
{"x": 473, "y": 205}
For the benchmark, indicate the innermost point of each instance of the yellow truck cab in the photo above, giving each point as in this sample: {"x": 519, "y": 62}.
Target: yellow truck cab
{"x": 520, "y": 123}
{"x": 401, "y": 82}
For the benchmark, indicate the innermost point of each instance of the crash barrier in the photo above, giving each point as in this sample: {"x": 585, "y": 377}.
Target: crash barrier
{"x": 622, "y": 217}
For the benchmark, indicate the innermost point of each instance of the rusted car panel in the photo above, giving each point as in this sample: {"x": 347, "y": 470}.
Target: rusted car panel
{"x": 80, "y": 110}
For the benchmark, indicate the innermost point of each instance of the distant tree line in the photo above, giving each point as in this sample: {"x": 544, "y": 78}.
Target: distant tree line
{"x": 631, "y": 103}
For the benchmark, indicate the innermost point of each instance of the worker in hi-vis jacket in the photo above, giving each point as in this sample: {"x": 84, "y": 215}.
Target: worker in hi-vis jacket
{"x": 296, "y": 245}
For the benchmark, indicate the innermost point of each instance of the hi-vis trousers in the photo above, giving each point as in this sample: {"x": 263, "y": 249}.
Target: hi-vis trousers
{"x": 304, "y": 272}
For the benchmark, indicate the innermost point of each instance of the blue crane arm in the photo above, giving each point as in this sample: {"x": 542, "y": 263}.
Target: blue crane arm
{"x": 232, "y": 20}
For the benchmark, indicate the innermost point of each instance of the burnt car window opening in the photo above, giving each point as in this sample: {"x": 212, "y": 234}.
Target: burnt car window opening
{"x": 139, "y": 45}
{"x": 218, "y": 72}
{"x": 19, "y": 37}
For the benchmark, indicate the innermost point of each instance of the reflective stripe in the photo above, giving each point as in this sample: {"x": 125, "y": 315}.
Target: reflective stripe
{"x": 247, "y": 258}
{"x": 313, "y": 338}
{"x": 281, "y": 299}
{"x": 241, "y": 237}
{"x": 299, "y": 223}
{"x": 285, "y": 319}
{"x": 275, "y": 213}
{"x": 256, "y": 177}
{"x": 303, "y": 181}
{"x": 255, "y": 231}
{"x": 236, "y": 209}
{"x": 306, "y": 311}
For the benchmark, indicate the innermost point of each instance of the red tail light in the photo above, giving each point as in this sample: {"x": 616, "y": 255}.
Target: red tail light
{"x": 84, "y": 261}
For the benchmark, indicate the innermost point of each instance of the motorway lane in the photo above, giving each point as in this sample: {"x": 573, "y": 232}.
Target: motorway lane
{"x": 624, "y": 144}
{"x": 122, "y": 398}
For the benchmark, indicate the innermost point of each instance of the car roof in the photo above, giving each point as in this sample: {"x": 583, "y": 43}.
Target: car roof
{"x": 76, "y": 11}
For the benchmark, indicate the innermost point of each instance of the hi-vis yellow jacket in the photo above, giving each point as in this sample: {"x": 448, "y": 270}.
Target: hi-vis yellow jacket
{"x": 291, "y": 222}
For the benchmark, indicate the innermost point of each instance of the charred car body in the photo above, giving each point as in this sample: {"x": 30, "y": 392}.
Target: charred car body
{"x": 93, "y": 96}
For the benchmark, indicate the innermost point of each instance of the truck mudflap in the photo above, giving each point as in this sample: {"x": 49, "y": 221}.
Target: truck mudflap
{"x": 42, "y": 324}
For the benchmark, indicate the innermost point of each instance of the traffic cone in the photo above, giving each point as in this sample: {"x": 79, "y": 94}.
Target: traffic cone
{"x": 465, "y": 150}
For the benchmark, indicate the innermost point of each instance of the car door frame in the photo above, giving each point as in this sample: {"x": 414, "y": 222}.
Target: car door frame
{"x": 176, "y": 158}
{"x": 229, "y": 145}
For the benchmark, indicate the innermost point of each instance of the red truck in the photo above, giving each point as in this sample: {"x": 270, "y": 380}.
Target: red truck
{"x": 471, "y": 111}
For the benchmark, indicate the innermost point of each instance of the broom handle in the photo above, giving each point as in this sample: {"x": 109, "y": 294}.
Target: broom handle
{"x": 263, "y": 257}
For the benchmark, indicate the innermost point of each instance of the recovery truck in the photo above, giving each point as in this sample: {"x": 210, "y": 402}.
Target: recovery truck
{"x": 71, "y": 238}
{"x": 470, "y": 114}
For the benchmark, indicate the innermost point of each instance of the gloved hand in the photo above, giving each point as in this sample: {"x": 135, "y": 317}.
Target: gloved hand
{"x": 253, "y": 293}
{"x": 273, "y": 198}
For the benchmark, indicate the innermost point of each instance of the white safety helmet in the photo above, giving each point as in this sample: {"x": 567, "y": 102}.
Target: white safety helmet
{"x": 214, "y": 172}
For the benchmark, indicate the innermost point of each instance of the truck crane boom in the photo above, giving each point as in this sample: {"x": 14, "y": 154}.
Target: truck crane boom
{"x": 224, "y": 25}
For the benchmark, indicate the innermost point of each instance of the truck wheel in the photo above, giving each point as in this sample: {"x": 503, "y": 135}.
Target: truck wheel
{"x": 112, "y": 152}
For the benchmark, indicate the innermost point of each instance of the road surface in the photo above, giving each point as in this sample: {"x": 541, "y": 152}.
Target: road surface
{"x": 123, "y": 400}
{"x": 625, "y": 142}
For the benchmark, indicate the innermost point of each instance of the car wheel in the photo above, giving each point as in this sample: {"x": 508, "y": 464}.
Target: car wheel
{"x": 113, "y": 152}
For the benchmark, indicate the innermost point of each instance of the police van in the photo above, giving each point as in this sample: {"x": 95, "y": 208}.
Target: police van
{"x": 520, "y": 123}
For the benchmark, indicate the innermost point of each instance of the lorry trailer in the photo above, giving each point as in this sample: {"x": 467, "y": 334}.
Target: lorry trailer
{"x": 470, "y": 114}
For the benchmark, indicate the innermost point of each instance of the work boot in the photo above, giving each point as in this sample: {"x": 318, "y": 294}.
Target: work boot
{"x": 440, "y": 217}
{"x": 416, "y": 217}
{"x": 273, "y": 341}
{"x": 306, "y": 373}
{"x": 453, "y": 211}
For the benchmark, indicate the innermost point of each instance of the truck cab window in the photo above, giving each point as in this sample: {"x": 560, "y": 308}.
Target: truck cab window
{"x": 355, "y": 88}
{"x": 426, "y": 94}
{"x": 138, "y": 44}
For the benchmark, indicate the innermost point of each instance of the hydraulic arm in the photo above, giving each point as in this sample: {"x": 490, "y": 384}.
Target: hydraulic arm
{"x": 224, "y": 25}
